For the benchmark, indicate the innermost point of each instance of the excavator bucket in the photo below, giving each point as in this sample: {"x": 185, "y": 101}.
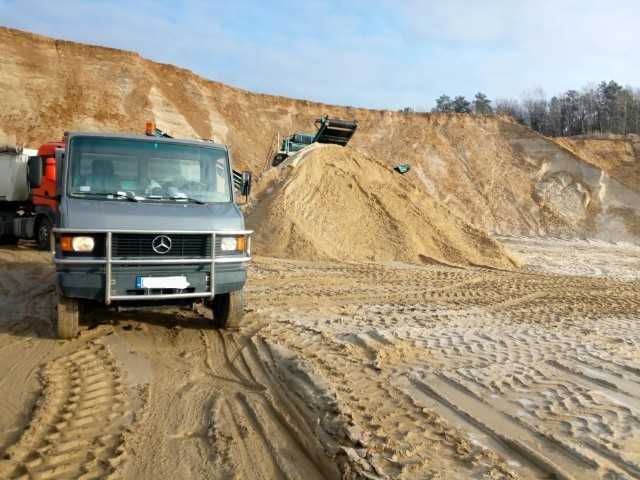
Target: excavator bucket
{"x": 332, "y": 130}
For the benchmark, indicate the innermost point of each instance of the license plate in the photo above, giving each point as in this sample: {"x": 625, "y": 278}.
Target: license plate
{"x": 177, "y": 282}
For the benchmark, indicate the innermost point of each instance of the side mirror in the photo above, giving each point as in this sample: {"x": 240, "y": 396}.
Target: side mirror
{"x": 59, "y": 170}
{"x": 34, "y": 172}
{"x": 246, "y": 183}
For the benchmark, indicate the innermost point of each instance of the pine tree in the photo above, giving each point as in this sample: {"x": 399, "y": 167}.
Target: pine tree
{"x": 482, "y": 105}
{"x": 443, "y": 104}
{"x": 461, "y": 105}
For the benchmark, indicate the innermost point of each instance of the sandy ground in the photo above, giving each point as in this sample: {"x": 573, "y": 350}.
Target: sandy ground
{"x": 587, "y": 258}
{"x": 359, "y": 370}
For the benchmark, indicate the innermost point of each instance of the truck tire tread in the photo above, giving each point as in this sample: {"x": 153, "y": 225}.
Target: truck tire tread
{"x": 228, "y": 310}
{"x": 67, "y": 318}
{"x": 43, "y": 241}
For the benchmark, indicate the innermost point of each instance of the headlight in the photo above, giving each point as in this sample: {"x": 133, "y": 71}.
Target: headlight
{"x": 233, "y": 244}
{"x": 82, "y": 244}
{"x": 228, "y": 244}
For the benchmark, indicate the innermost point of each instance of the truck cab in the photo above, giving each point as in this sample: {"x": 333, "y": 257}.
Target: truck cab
{"x": 45, "y": 196}
{"x": 28, "y": 209}
{"x": 145, "y": 221}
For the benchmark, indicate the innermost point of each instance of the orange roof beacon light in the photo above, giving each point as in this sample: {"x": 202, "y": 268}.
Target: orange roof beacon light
{"x": 150, "y": 129}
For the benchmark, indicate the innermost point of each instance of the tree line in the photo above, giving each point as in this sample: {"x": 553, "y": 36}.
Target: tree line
{"x": 604, "y": 108}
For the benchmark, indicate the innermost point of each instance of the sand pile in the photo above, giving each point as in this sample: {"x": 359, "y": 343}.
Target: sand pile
{"x": 340, "y": 204}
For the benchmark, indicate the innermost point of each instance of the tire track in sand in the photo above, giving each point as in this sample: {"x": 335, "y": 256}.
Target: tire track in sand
{"x": 398, "y": 434}
{"x": 538, "y": 455}
{"x": 252, "y": 422}
{"x": 76, "y": 430}
{"x": 497, "y": 346}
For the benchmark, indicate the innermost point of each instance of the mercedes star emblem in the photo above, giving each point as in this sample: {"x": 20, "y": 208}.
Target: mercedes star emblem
{"x": 161, "y": 244}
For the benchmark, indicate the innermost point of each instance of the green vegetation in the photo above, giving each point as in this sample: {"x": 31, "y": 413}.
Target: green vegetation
{"x": 605, "y": 108}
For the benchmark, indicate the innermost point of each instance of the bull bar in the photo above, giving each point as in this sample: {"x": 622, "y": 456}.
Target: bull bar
{"x": 108, "y": 261}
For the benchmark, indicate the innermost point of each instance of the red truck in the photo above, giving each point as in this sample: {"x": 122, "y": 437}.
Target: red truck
{"x": 28, "y": 193}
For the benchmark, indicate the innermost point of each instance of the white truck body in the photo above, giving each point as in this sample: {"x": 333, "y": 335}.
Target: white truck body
{"x": 14, "y": 186}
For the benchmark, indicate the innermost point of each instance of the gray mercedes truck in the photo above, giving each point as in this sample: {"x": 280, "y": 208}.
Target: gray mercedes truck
{"x": 147, "y": 220}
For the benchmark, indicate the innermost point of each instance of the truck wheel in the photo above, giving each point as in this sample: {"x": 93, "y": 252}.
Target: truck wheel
{"x": 68, "y": 318}
{"x": 43, "y": 233}
{"x": 228, "y": 309}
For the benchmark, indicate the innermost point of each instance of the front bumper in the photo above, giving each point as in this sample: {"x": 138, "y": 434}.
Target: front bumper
{"x": 114, "y": 280}
{"x": 88, "y": 282}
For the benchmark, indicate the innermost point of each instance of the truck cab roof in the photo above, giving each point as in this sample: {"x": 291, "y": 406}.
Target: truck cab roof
{"x": 127, "y": 136}
{"x": 49, "y": 149}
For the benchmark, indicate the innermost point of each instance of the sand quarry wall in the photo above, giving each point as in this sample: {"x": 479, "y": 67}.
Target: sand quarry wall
{"x": 617, "y": 160}
{"x": 495, "y": 174}
{"x": 618, "y": 156}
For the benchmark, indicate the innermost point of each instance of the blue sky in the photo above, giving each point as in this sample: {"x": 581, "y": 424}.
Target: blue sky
{"x": 376, "y": 53}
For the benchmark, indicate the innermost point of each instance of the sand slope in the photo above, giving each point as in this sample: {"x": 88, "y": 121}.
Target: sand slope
{"x": 338, "y": 203}
{"x": 617, "y": 156}
{"x": 493, "y": 173}
{"x": 506, "y": 178}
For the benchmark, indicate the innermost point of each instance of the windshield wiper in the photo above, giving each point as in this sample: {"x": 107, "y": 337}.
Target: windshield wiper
{"x": 188, "y": 199}
{"x": 126, "y": 195}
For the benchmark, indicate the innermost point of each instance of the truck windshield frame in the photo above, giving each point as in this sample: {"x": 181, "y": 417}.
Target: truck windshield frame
{"x": 147, "y": 170}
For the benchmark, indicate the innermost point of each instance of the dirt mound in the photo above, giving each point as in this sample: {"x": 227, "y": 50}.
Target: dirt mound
{"x": 340, "y": 204}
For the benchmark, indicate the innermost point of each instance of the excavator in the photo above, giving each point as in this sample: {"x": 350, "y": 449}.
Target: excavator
{"x": 329, "y": 130}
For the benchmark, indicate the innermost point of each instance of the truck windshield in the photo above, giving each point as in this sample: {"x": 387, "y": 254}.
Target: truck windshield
{"x": 148, "y": 170}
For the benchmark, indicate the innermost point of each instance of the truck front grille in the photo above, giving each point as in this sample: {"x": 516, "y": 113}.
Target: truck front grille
{"x": 131, "y": 245}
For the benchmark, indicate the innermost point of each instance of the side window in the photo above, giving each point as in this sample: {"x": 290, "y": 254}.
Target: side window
{"x": 221, "y": 177}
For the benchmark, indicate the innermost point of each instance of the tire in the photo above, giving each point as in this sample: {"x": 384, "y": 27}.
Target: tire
{"x": 68, "y": 318}
{"x": 43, "y": 233}
{"x": 228, "y": 310}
